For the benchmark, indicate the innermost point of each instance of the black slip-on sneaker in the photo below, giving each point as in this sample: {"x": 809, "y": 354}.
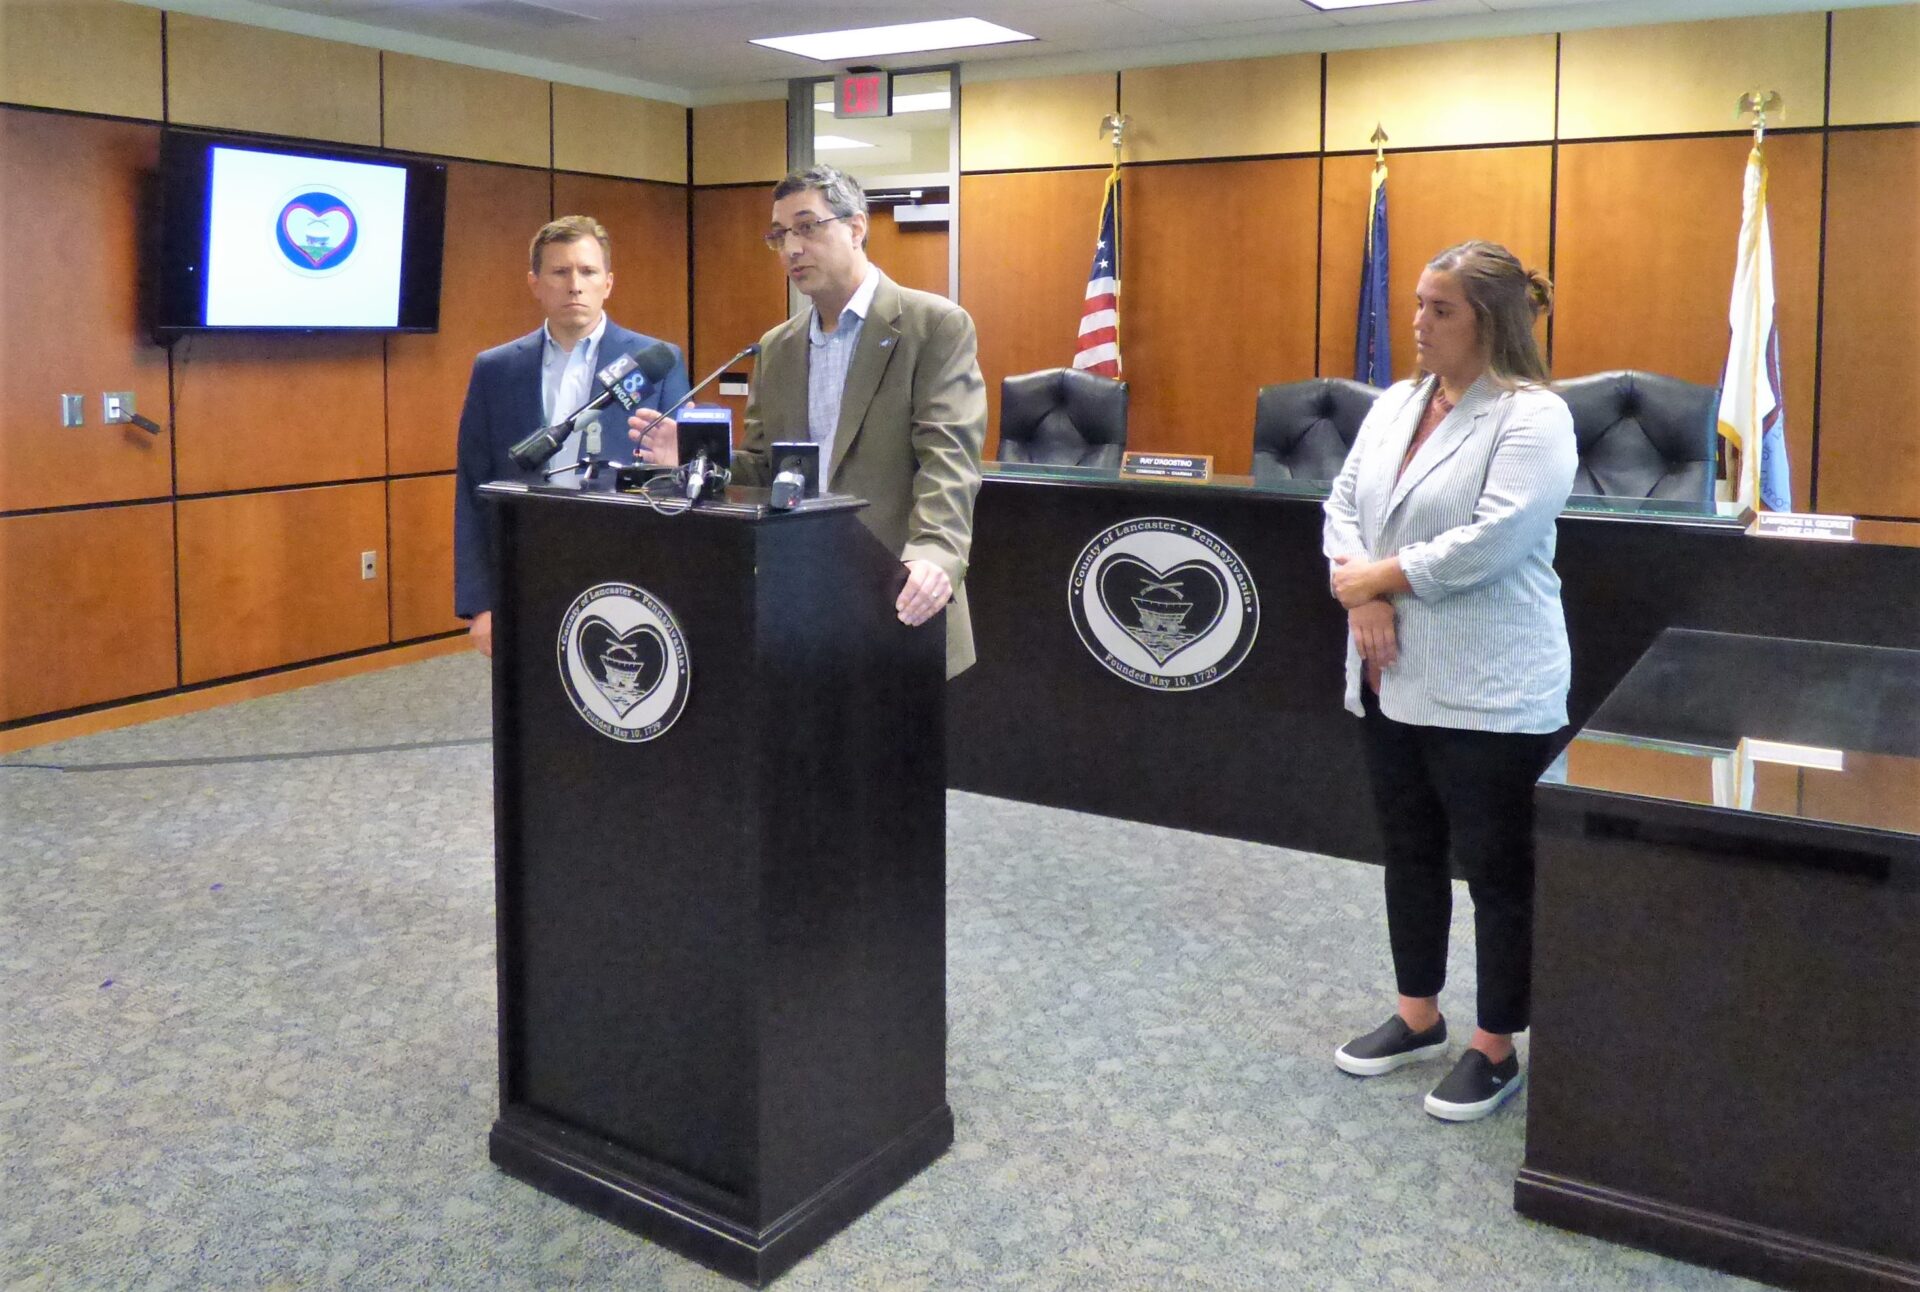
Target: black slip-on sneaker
{"x": 1391, "y": 1045}
{"x": 1476, "y": 1086}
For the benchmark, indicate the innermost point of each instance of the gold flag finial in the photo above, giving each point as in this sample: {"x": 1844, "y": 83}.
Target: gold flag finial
{"x": 1117, "y": 124}
{"x": 1759, "y": 103}
{"x": 1379, "y": 145}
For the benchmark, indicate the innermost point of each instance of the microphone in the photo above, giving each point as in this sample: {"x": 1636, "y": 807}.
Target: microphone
{"x": 651, "y": 363}
{"x": 705, "y": 381}
{"x": 788, "y": 487}
{"x": 702, "y": 475}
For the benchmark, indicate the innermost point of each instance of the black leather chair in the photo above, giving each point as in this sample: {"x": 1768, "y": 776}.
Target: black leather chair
{"x": 1303, "y": 429}
{"x": 1063, "y": 417}
{"x": 1642, "y": 435}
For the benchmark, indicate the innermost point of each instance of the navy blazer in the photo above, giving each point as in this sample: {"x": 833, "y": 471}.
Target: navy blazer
{"x": 504, "y": 407}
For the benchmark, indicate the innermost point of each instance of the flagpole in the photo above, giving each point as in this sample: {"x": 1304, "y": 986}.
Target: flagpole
{"x": 1372, "y": 346}
{"x": 1751, "y": 404}
{"x": 1115, "y": 123}
{"x": 1097, "y": 346}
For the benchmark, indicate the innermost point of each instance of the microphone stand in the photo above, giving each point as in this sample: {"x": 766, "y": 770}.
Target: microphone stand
{"x": 705, "y": 381}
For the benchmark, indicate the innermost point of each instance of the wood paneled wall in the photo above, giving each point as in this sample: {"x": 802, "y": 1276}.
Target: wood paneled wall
{"x": 1677, "y": 77}
{"x": 256, "y": 412}
{"x": 1240, "y": 270}
{"x": 1465, "y": 92}
{"x": 420, "y": 526}
{"x": 436, "y": 107}
{"x": 740, "y": 143}
{"x": 231, "y": 76}
{"x": 67, "y": 173}
{"x": 1434, "y": 200}
{"x": 647, "y": 224}
{"x": 115, "y": 70}
{"x": 611, "y": 134}
{"x": 1026, "y": 244}
{"x": 1870, "y": 351}
{"x": 1645, "y": 239}
{"x": 1007, "y": 125}
{"x": 1177, "y": 109}
{"x": 737, "y": 281}
{"x": 86, "y": 607}
{"x": 913, "y": 257}
{"x": 268, "y": 579}
{"x": 1222, "y": 302}
{"x": 1517, "y": 140}
{"x": 363, "y": 428}
{"x": 484, "y": 301}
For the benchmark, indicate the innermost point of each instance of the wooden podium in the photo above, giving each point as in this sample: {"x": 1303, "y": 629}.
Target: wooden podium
{"x": 720, "y": 851}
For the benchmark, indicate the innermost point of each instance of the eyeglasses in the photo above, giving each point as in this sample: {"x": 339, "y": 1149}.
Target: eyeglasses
{"x": 804, "y": 229}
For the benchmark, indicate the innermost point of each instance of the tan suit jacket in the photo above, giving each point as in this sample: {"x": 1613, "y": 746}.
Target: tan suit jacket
{"x": 913, "y": 420}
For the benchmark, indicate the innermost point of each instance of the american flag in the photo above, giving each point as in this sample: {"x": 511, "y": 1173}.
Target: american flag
{"x": 1099, "y": 346}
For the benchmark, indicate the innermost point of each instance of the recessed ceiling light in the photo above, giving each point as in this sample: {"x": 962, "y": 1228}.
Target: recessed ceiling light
{"x": 900, "y": 38}
{"x": 932, "y": 101}
{"x": 837, "y": 143}
{"x": 1355, "y": 4}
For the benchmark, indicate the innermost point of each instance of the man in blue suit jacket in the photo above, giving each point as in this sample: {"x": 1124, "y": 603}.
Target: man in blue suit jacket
{"x": 535, "y": 381}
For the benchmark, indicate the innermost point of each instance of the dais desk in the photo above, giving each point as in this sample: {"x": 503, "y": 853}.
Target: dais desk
{"x": 1238, "y": 729}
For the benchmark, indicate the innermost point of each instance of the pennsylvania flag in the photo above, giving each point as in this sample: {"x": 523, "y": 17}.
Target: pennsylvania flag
{"x": 1098, "y": 349}
{"x": 1752, "y": 407}
{"x": 1373, "y": 339}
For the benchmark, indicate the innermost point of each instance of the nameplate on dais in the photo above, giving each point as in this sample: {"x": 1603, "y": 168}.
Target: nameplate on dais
{"x": 1802, "y": 524}
{"x": 1167, "y": 466}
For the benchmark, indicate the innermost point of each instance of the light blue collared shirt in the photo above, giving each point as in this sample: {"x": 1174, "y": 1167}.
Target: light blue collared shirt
{"x": 565, "y": 378}
{"x": 829, "y": 355}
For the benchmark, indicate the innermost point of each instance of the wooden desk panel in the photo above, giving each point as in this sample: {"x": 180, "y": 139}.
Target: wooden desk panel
{"x": 1269, "y": 753}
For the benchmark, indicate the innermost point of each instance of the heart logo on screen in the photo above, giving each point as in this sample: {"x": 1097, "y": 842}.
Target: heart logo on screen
{"x": 626, "y": 667}
{"x": 317, "y": 231}
{"x": 1164, "y": 610}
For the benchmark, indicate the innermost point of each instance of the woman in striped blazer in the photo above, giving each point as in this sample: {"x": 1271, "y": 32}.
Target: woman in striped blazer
{"x": 1439, "y": 534}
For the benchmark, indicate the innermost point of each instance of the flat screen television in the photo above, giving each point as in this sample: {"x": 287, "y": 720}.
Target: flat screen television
{"x": 269, "y": 237}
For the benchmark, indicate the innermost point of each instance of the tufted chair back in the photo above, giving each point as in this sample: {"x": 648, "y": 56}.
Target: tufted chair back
{"x": 1063, "y": 417}
{"x": 1303, "y": 429}
{"x": 1642, "y": 435}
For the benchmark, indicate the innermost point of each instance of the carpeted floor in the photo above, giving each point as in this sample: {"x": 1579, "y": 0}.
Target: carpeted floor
{"x": 248, "y": 995}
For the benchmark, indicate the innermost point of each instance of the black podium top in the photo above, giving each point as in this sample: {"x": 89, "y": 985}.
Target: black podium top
{"x": 1807, "y": 732}
{"x": 740, "y": 501}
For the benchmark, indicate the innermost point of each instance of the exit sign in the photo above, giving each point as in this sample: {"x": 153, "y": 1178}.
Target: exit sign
{"x": 862, "y": 94}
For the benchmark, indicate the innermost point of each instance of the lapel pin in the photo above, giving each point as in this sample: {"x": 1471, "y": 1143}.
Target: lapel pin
{"x": 886, "y": 343}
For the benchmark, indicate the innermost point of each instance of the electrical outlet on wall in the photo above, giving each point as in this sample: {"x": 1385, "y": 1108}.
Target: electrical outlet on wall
{"x": 369, "y": 565}
{"x": 116, "y": 406}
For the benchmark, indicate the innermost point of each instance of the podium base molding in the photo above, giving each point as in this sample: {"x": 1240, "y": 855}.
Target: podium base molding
{"x": 559, "y": 1161}
{"x": 1704, "y": 1238}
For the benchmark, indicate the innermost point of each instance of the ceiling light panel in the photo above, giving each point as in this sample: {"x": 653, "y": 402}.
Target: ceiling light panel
{"x": 901, "y": 38}
{"x": 837, "y": 143}
{"x": 1355, "y": 4}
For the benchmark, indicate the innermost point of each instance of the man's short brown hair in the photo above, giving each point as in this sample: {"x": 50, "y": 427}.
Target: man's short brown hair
{"x": 567, "y": 229}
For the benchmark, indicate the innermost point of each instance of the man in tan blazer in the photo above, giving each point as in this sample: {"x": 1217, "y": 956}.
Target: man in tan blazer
{"x": 885, "y": 380}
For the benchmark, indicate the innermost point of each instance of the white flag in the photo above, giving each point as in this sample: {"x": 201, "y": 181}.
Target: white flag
{"x": 1752, "y": 409}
